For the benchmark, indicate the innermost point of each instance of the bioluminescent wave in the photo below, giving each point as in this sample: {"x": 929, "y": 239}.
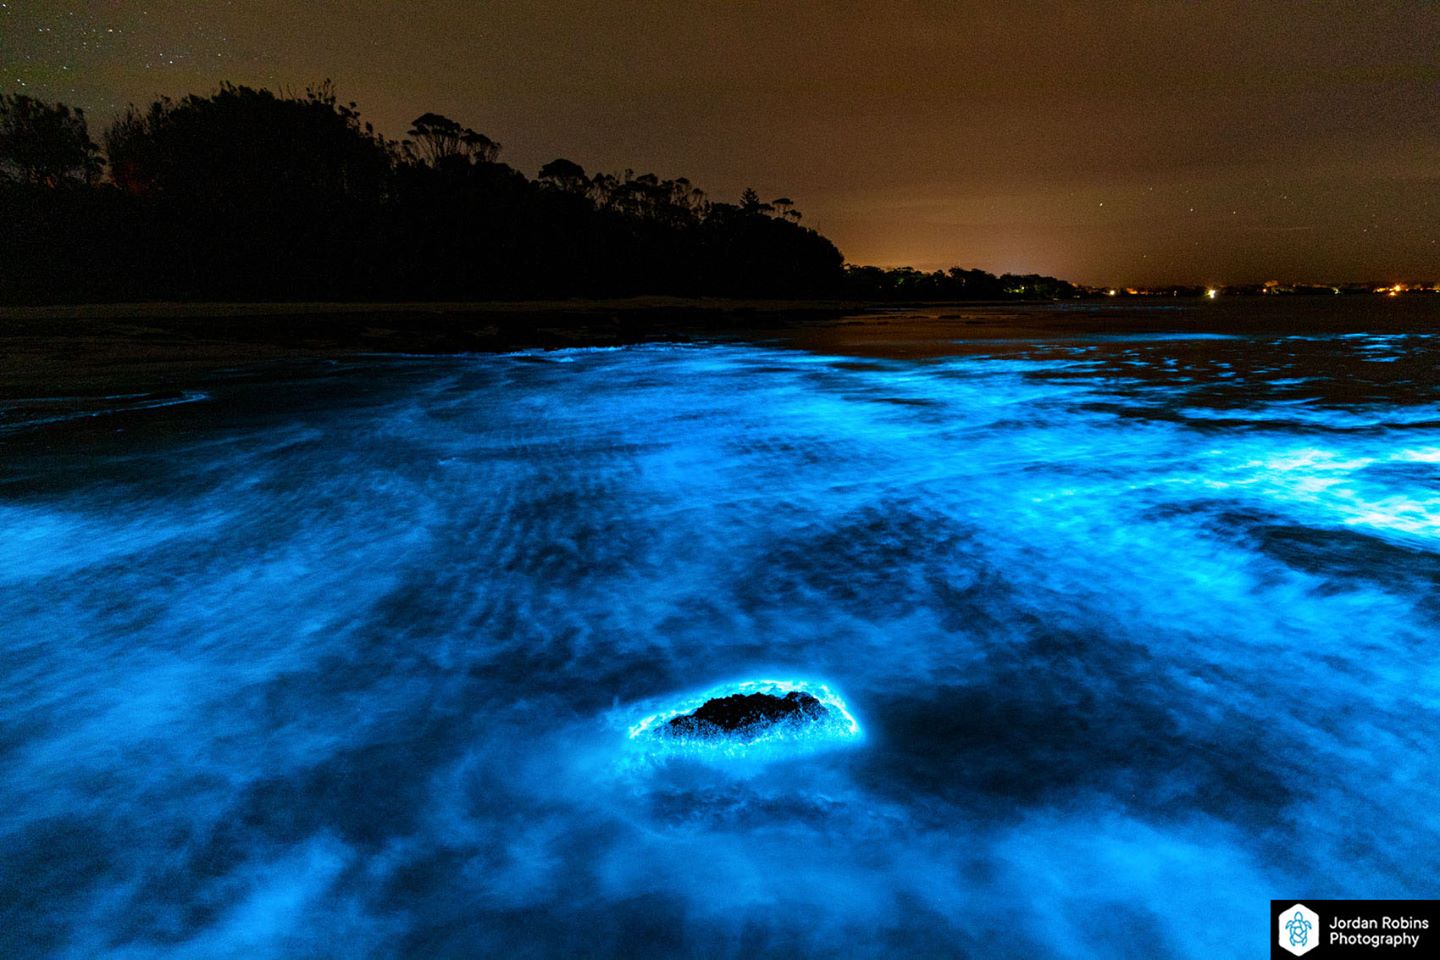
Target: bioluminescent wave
{"x": 361, "y": 660}
{"x": 32, "y": 413}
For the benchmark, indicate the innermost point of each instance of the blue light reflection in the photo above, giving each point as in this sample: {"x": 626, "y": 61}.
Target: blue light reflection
{"x": 359, "y": 660}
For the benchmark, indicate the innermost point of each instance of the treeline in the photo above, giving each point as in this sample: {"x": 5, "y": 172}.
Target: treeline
{"x": 248, "y": 195}
{"x": 907, "y": 283}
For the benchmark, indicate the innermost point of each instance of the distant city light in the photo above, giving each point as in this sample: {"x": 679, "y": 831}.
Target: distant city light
{"x": 1273, "y": 288}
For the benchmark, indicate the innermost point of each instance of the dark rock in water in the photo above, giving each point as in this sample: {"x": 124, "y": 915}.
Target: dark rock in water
{"x": 747, "y": 714}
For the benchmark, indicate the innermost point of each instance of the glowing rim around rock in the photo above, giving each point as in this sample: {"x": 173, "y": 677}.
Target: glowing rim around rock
{"x": 838, "y": 726}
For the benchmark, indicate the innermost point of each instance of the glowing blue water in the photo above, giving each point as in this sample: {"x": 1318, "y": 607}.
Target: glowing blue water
{"x": 346, "y": 662}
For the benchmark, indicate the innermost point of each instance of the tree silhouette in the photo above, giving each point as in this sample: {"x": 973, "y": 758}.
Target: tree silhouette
{"x": 957, "y": 283}
{"x": 436, "y": 140}
{"x": 254, "y": 194}
{"x": 751, "y": 203}
{"x": 247, "y": 194}
{"x": 564, "y": 175}
{"x": 786, "y": 208}
{"x": 242, "y": 144}
{"x": 45, "y": 144}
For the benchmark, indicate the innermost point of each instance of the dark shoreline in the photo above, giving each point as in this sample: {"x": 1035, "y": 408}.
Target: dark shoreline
{"x": 98, "y": 350}
{"x": 102, "y": 349}
{"x": 106, "y": 349}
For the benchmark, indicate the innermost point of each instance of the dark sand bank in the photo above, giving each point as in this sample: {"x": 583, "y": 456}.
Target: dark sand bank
{"x": 103, "y": 349}
{"x": 100, "y": 350}
{"x": 939, "y": 330}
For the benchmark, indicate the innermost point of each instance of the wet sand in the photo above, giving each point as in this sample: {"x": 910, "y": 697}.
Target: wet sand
{"x": 102, "y": 350}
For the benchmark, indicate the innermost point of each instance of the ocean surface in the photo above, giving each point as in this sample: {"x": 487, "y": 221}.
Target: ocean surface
{"x": 340, "y": 659}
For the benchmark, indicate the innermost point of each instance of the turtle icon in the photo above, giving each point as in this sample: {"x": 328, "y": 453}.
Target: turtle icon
{"x": 1299, "y": 929}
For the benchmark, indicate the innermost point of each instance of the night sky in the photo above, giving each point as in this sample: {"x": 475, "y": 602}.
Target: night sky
{"x": 1104, "y": 143}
